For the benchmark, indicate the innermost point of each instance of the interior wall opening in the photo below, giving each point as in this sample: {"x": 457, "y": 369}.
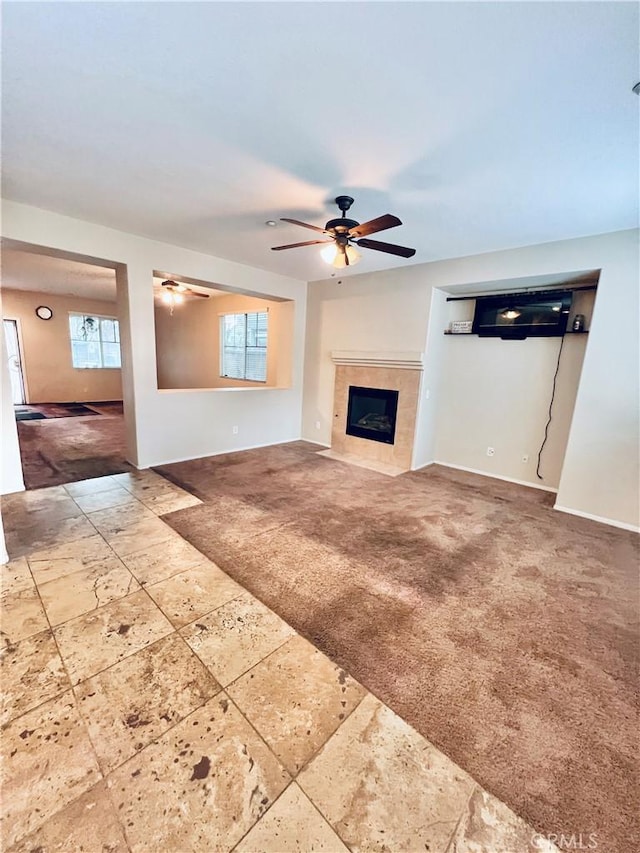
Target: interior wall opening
{"x": 210, "y": 336}
{"x": 63, "y": 347}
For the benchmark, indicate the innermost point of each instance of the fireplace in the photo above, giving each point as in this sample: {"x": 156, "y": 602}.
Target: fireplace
{"x": 371, "y": 413}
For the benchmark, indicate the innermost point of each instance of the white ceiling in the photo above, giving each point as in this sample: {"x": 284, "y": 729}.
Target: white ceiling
{"x": 482, "y": 126}
{"x": 43, "y": 273}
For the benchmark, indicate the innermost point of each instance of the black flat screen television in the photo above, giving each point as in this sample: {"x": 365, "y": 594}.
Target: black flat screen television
{"x": 521, "y": 315}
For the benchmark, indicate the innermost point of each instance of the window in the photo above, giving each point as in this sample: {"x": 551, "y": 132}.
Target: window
{"x": 95, "y": 341}
{"x": 243, "y": 348}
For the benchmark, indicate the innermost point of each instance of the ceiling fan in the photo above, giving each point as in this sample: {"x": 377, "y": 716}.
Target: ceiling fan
{"x": 343, "y": 233}
{"x": 173, "y": 293}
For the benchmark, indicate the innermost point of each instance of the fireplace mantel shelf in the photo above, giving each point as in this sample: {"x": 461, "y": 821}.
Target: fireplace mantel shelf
{"x": 376, "y": 358}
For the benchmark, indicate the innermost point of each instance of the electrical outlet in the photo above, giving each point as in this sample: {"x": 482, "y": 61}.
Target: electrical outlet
{"x": 491, "y": 451}
{"x": 234, "y": 430}
{"x": 317, "y": 424}
{"x": 525, "y": 458}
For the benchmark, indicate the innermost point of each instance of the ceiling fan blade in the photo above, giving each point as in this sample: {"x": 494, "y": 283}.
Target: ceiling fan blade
{"x": 373, "y": 225}
{"x": 390, "y": 248}
{"x": 195, "y": 293}
{"x": 295, "y": 245}
{"x": 304, "y": 224}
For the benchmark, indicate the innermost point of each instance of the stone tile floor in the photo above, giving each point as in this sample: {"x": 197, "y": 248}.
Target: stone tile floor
{"x": 150, "y": 703}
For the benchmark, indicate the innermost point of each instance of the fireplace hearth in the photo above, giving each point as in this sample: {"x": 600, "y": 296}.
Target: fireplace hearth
{"x": 371, "y": 413}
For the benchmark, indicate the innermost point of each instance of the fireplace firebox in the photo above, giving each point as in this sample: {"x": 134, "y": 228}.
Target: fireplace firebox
{"x": 372, "y": 413}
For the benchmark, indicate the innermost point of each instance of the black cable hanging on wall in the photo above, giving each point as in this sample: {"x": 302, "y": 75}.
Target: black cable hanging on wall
{"x": 553, "y": 394}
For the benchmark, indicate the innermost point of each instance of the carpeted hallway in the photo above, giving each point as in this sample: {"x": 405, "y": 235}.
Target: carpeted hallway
{"x": 57, "y": 450}
{"x": 505, "y": 632}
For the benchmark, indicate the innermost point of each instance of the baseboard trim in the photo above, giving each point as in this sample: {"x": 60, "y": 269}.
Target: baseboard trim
{"x": 600, "y": 519}
{"x": 421, "y": 467}
{"x": 495, "y": 476}
{"x": 315, "y": 441}
{"x": 215, "y": 453}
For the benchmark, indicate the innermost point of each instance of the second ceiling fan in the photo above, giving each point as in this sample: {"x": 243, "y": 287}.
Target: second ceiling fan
{"x": 344, "y": 233}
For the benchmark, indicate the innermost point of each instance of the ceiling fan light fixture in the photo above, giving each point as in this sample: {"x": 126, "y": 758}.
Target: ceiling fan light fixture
{"x": 329, "y": 253}
{"x": 352, "y": 254}
{"x": 167, "y": 297}
{"x": 332, "y": 255}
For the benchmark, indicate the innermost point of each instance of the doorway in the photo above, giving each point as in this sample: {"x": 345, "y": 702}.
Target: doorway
{"x": 14, "y": 357}
{"x": 62, "y": 330}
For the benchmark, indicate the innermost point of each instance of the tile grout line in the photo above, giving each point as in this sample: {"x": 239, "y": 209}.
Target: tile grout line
{"x": 73, "y": 687}
{"x": 291, "y": 782}
{"x": 253, "y": 666}
{"x": 85, "y": 568}
{"x": 293, "y": 777}
{"x": 82, "y": 720}
{"x": 142, "y": 588}
{"x": 323, "y": 816}
{"x": 155, "y": 740}
{"x": 223, "y": 689}
{"x": 175, "y": 631}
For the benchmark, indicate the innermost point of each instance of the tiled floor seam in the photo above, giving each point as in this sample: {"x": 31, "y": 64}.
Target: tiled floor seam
{"x": 271, "y": 805}
{"x": 225, "y": 687}
{"x": 143, "y": 588}
{"x": 294, "y": 777}
{"x": 104, "y": 777}
{"x": 94, "y": 609}
{"x": 71, "y": 689}
{"x": 253, "y": 666}
{"x": 319, "y": 810}
{"x": 163, "y": 734}
{"x": 321, "y": 747}
{"x": 175, "y": 631}
{"x": 55, "y": 640}
{"x": 48, "y": 699}
{"x": 102, "y": 607}
{"x": 294, "y": 781}
{"x": 153, "y": 740}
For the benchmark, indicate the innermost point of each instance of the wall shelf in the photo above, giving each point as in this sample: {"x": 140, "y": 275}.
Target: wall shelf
{"x": 475, "y": 334}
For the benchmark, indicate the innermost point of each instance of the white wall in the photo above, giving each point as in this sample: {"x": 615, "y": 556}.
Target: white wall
{"x": 170, "y": 425}
{"x": 391, "y": 310}
{"x": 496, "y": 394}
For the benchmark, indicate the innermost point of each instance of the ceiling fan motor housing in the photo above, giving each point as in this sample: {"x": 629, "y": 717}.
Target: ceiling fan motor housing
{"x": 340, "y": 225}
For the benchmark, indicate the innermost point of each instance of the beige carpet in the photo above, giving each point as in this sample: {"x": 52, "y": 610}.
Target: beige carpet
{"x": 503, "y": 631}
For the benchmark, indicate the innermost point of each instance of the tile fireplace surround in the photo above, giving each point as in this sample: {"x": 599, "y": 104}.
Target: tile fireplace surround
{"x": 392, "y": 371}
